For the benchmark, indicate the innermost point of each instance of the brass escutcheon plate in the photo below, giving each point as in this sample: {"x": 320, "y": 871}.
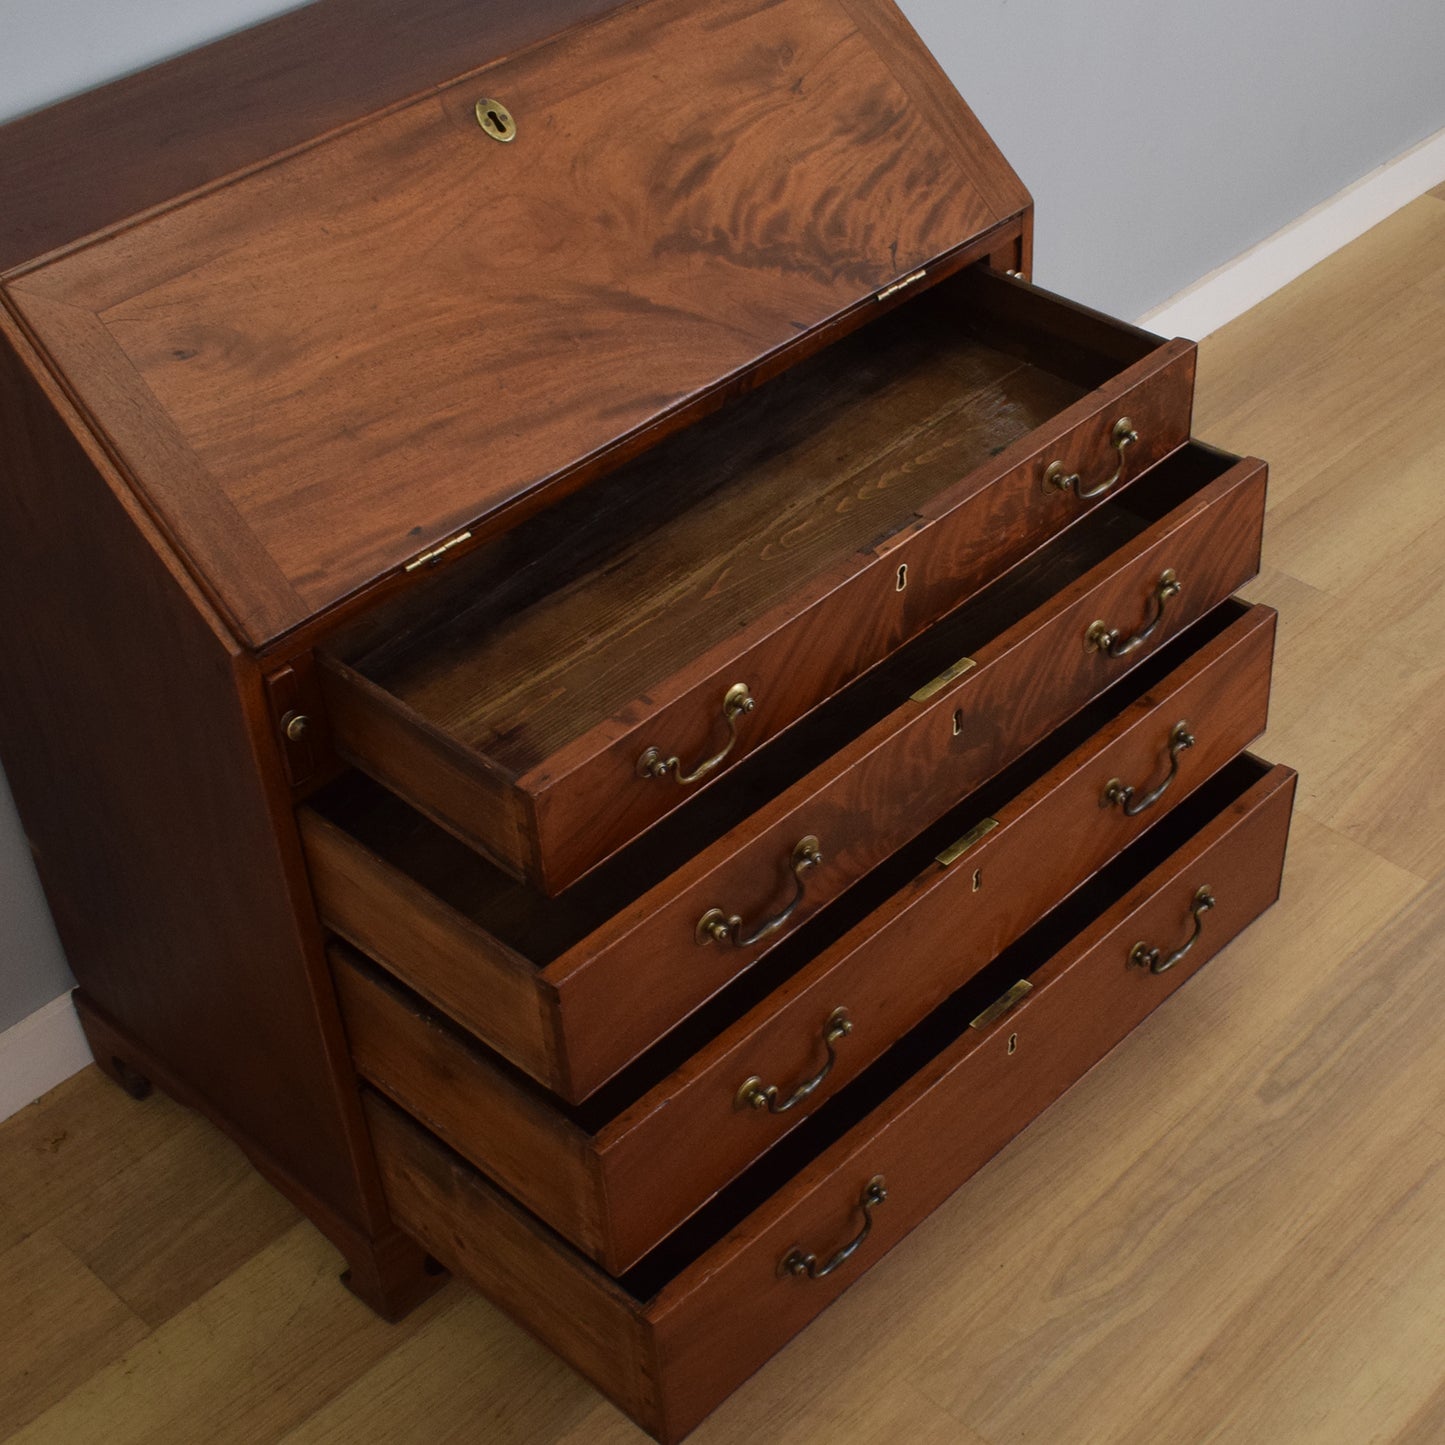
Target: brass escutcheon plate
{"x": 496, "y": 120}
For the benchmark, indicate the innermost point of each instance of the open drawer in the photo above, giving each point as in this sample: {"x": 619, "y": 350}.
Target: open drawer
{"x": 572, "y": 990}
{"x": 558, "y": 691}
{"x": 618, "y": 1174}
{"x": 677, "y": 1333}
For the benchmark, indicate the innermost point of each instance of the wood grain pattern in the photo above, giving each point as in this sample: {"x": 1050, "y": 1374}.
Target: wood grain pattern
{"x": 232, "y": 1212}
{"x": 173, "y": 471}
{"x": 96, "y": 1174}
{"x": 624, "y": 974}
{"x": 628, "y": 1172}
{"x": 98, "y": 159}
{"x": 715, "y": 1322}
{"x": 384, "y": 1266}
{"x": 917, "y": 443}
{"x": 647, "y": 261}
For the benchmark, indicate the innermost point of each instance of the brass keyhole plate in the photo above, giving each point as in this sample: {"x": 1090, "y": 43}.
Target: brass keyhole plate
{"x": 496, "y": 120}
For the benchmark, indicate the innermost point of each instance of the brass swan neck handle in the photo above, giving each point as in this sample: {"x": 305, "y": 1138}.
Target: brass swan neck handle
{"x": 737, "y": 702}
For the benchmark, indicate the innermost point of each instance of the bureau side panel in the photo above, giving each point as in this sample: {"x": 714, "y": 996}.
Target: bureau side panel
{"x": 129, "y": 729}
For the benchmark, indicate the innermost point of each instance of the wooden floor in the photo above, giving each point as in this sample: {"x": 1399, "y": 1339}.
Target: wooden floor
{"x": 1233, "y": 1230}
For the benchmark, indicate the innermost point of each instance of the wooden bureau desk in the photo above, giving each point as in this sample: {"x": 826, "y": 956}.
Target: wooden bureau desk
{"x": 592, "y": 671}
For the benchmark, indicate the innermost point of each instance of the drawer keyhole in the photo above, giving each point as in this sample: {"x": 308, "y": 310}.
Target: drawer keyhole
{"x": 496, "y": 119}
{"x": 1013, "y": 1043}
{"x": 957, "y": 721}
{"x": 977, "y": 879}
{"x": 902, "y": 576}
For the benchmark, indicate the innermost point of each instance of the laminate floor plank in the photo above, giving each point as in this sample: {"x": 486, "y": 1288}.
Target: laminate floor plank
{"x": 1374, "y": 1338}
{"x": 1341, "y": 1338}
{"x": 12, "y": 1231}
{"x": 160, "y": 1228}
{"x": 245, "y": 1363}
{"x": 1426, "y": 1426}
{"x": 439, "y": 1387}
{"x": 1357, "y": 732}
{"x": 1210, "y": 1183}
{"x": 58, "y": 1325}
{"x": 1346, "y": 354}
{"x": 1231, "y": 1231}
{"x": 65, "y": 1149}
{"x": 218, "y": 1213}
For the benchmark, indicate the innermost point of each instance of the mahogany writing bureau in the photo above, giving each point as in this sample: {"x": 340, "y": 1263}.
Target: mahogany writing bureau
{"x": 592, "y": 671}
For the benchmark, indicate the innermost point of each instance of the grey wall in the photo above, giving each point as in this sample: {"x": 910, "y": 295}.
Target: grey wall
{"x": 32, "y": 966}
{"x": 1159, "y": 137}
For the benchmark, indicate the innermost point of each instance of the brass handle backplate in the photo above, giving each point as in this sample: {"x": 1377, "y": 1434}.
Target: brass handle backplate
{"x": 1100, "y": 637}
{"x": 1058, "y": 477}
{"x": 716, "y": 926}
{"x": 754, "y": 1094}
{"x": 801, "y": 1265}
{"x": 1121, "y": 794}
{"x": 737, "y": 703}
{"x": 1144, "y": 955}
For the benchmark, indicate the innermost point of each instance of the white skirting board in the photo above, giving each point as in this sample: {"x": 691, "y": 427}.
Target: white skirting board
{"x": 1231, "y": 289}
{"x": 44, "y": 1049}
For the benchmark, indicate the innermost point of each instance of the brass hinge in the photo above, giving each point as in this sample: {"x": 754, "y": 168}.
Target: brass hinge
{"x": 902, "y": 285}
{"x": 431, "y": 558}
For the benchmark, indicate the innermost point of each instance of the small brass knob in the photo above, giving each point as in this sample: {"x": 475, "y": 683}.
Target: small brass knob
{"x": 296, "y": 725}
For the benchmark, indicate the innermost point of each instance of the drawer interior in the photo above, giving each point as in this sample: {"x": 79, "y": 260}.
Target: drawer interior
{"x": 541, "y": 929}
{"x": 652, "y": 1067}
{"x": 534, "y": 640}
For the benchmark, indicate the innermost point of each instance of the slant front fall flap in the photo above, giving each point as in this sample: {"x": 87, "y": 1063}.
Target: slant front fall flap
{"x": 384, "y": 337}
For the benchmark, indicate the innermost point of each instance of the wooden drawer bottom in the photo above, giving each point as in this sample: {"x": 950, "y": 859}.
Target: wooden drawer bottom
{"x": 677, "y": 1333}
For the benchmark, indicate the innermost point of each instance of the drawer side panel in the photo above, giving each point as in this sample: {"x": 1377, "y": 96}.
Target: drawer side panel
{"x": 575, "y": 1310}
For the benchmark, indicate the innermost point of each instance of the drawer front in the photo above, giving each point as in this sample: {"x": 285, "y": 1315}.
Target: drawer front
{"x": 591, "y": 801}
{"x": 643, "y": 971}
{"x": 956, "y": 1115}
{"x": 702, "y": 1126}
{"x": 653, "y": 647}
{"x": 617, "y": 1191}
{"x": 668, "y": 1353}
{"x": 639, "y": 973}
